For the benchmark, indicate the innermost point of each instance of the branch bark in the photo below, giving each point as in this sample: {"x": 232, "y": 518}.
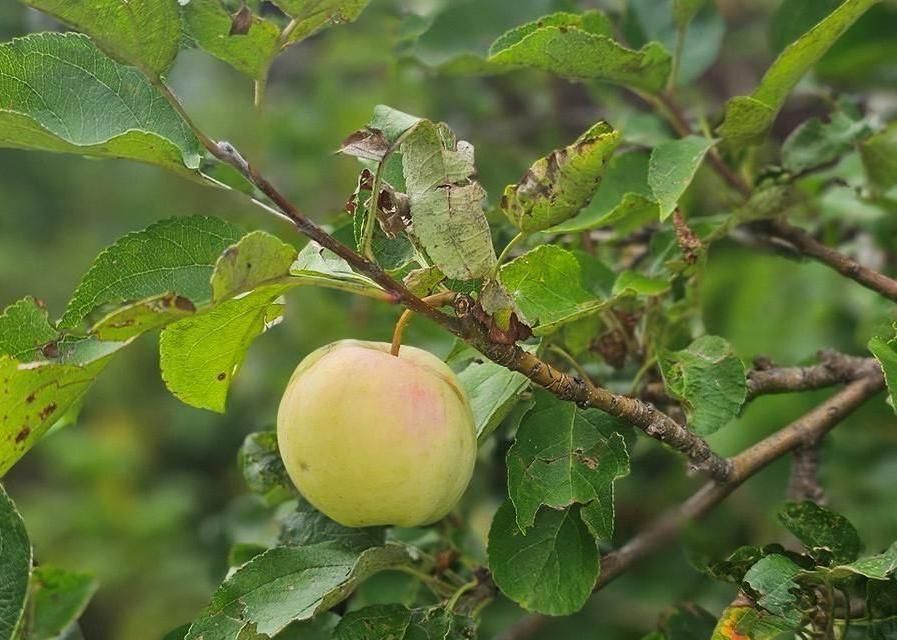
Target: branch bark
{"x": 803, "y": 432}
{"x": 833, "y": 368}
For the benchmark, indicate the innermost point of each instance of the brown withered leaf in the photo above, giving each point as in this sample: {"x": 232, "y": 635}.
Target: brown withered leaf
{"x": 366, "y": 143}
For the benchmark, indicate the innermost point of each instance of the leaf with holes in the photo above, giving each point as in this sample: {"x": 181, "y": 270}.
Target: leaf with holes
{"x": 446, "y": 204}
{"x": 829, "y": 536}
{"x": 564, "y": 455}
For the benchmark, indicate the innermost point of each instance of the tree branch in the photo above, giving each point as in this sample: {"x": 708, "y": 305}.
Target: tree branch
{"x": 833, "y": 368}
{"x": 810, "y": 247}
{"x": 803, "y": 483}
{"x": 805, "y": 431}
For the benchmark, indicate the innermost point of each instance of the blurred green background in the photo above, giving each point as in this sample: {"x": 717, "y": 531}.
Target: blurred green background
{"x": 144, "y": 491}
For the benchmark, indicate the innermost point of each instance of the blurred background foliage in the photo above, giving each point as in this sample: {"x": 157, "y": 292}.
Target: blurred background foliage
{"x": 144, "y": 491}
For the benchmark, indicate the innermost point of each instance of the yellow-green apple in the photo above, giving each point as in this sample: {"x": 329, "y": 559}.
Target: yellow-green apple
{"x": 370, "y": 438}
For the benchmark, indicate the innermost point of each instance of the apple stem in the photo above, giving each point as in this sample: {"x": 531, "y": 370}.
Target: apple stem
{"x": 441, "y": 299}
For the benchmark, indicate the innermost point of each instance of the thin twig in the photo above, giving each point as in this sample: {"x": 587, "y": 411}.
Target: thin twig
{"x": 810, "y": 247}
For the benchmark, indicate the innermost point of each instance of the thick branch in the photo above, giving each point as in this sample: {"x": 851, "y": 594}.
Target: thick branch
{"x": 804, "y": 431}
{"x": 833, "y": 368}
{"x": 810, "y": 247}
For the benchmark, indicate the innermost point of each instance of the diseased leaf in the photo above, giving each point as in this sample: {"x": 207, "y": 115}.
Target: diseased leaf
{"x": 200, "y": 355}
{"x": 15, "y": 566}
{"x": 145, "y": 315}
{"x": 879, "y": 154}
{"x": 546, "y": 287}
{"x": 822, "y": 531}
{"x": 310, "y": 16}
{"x": 251, "y": 53}
{"x": 118, "y": 113}
{"x": 552, "y": 568}
{"x": 743, "y": 622}
{"x": 885, "y": 351}
{"x": 396, "y": 622}
{"x": 24, "y": 326}
{"x": 623, "y": 197}
{"x": 569, "y": 46}
{"x": 748, "y": 118}
{"x": 772, "y": 578}
{"x": 709, "y": 378}
{"x": 556, "y": 187}
{"x": 145, "y": 34}
{"x": 814, "y": 143}
{"x": 177, "y": 256}
{"x": 288, "y": 584}
{"x": 563, "y": 455}
{"x": 446, "y": 205}
{"x": 733, "y": 568}
{"x": 56, "y": 600}
{"x": 493, "y": 391}
{"x": 42, "y": 391}
{"x": 673, "y": 166}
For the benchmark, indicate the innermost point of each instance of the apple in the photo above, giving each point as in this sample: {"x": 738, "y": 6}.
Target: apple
{"x": 370, "y": 438}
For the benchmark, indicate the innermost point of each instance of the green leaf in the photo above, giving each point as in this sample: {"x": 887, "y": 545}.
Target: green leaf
{"x": 685, "y": 10}
{"x": 396, "y": 622}
{"x": 879, "y": 154}
{"x": 56, "y": 600}
{"x": 772, "y": 578}
{"x": 814, "y": 143}
{"x": 259, "y": 460}
{"x": 885, "y": 351}
{"x": 385, "y": 621}
{"x": 15, "y": 566}
{"x": 257, "y": 259}
{"x": 209, "y": 23}
{"x": 306, "y": 526}
{"x": 623, "y": 197}
{"x": 733, "y": 568}
{"x": 563, "y": 455}
{"x": 318, "y": 266}
{"x": 821, "y": 530}
{"x": 710, "y": 380}
{"x": 672, "y": 168}
{"x": 310, "y": 16}
{"x": 201, "y": 354}
{"x": 878, "y": 567}
{"x": 493, "y": 391}
{"x": 144, "y": 34}
{"x": 446, "y": 205}
{"x": 177, "y": 256}
{"x": 748, "y": 118}
{"x": 24, "y": 326}
{"x": 392, "y": 123}
{"x": 568, "y": 46}
{"x": 118, "y": 114}
{"x": 551, "y": 569}
{"x": 556, "y": 187}
{"x": 288, "y": 584}
{"x": 546, "y": 287}
{"x": 687, "y": 622}
{"x": 637, "y": 284}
